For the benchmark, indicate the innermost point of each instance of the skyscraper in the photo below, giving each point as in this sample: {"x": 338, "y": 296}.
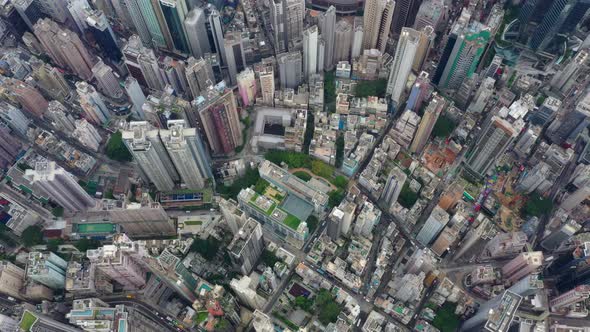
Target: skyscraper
{"x": 377, "y": 23}
{"x": 65, "y": 48}
{"x": 402, "y": 63}
{"x": 219, "y": 118}
{"x": 494, "y": 315}
{"x": 404, "y": 15}
{"x": 61, "y": 186}
{"x": 196, "y": 32}
{"x": 217, "y": 33}
{"x": 138, "y": 21}
{"x": 286, "y": 21}
{"x": 147, "y": 149}
{"x": 574, "y": 199}
{"x": 553, "y": 20}
{"x": 420, "y": 91}
{"x": 57, "y": 10}
{"x": 174, "y": 12}
{"x": 266, "y": 77}
{"x": 14, "y": 118}
{"x": 151, "y": 20}
{"x": 234, "y": 54}
{"x": 29, "y": 11}
{"x": 327, "y": 22}
{"x": 290, "y": 69}
{"x": 107, "y": 82}
{"x": 343, "y": 41}
{"x": 430, "y": 13}
{"x": 51, "y": 81}
{"x": 247, "y": 86}
{"x": 522, "y": 265}
{"x": 426, "y": 41}
{"x": 393, "y": 187}
{"x": 199, "y": 76}
{"x": 569, "y": 125}
{"x": 492, "y": 142}
{"x": 464, "y": 57}
{"x": 92, "y": 104}
{"x": 357, "y": 41}
{"x": 136, "y": 96}
{"x": 566, "y": 78}
{"x": 57, "y": 113}
{"x": 78, "y": 10}
{"x": 103, "y": 34}
{"x": 310, "y": 51}
{"x": 431, "y": 113}
{"x": 578, "y": 294}
{"x": 434, "y": 224}
{"x": 121, "y": 261}
{"x": 187, "y": 152}
{"x": 247, "y": 246}
{"x": 28, "y": 97}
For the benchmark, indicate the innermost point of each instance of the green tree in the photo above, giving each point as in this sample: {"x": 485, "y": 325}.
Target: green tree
{"x": 322, "y": 169}
{"x": 330, "y": 91}
{"x": 340, "y": 181}
{"x": 249, "y": 179}
{"x": 536, "y": 205}
{"x": 407, "y": 198}
{"x": 32, "y": 236}
{"x": 116, "y": 149}
{"x": 53, "y": 244}
{"x": 371, "y": 88}
{"x": 443, "y": 127}
{"x": 335, "y": 197}
{"x": 304, "y": 303}
{"x": 303, "y": 175}
{"x": 207, "y": 248}
{"x": 339, "y": 150}
{"x": 309, "y": 128}
{"x": 269, "y": 258}
{"x": 312, "y": 223}
{"x": 328, "y": 309}
{"x": 87, "y": 244}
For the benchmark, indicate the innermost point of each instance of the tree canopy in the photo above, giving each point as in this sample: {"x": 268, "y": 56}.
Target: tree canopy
{"x": 116, "y": 149}
{"x": 371, "y": 88}
{"x": 443, "y": 127}
{"x": 339, "y": 150}
{"x": 207, "y": 248}
{"x": 537, "y": 205}
{"x": 32, "y": 236}
{"x": 407, "y": 198}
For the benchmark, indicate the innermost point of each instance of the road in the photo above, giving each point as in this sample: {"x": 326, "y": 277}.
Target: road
{"x": 144, "y": 308}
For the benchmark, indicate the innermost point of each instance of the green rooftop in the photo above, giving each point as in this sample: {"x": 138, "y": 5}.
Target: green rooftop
{"x": 96, "y": 228}
{"x": 292, "y": 221}
{"x": 253, "y": 203}
{"x": 27, "y": 321}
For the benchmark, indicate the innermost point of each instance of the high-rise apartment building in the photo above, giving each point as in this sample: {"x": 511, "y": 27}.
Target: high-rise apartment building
{"x": 247, "y": 246}
{"x": 87, "y": 135}
{"x": 431, "y": 113}
{"x": 219, "y": 118}
{"x": 357, "y": 40}
{"x": 14, "y": 118}
{"x": 266, "y": 77}
{"x": 493, "y": 141}
{"x": 286, "y": 21}
{"x": 578, "y": 294}
{"x": 65, "y": 48}
{"x": 196, "y": 32}
{"x": 12, "y": 279}
{"x": 404, "y": 15}
{"x": 199, "y": 76}
{"x": 575, "y": 199}
{"x": 234, "y": 217}
{"x": 51, "y": 81}
{"x": 310, "y": 51}
{"x": 434, "y": 224}
{"x": 247, "y": 86}
{"x": 61, "y": 186}
{"x": 343, "y": 41}
{"x": 522, "y": 265}
{"x": 136, "y": 97}
{"x": 92, "y": 104}
{"x": 402, "y": 63}
{"x": 290, "y": 69}
{"x": 47, "y": 269}
{"x": 27, "y": 96}
{"x": 234, "y": 54}
{"x": 217, "y": 32}
{"x": 137, "y": 18}
{"x": 174, "y": 12}
{"x": 327, "y": 25}
{"x": 145, "y": 145}
{"x": 121, "y": 261}
{"x": 107, "y": 82}
{"x": 496, "y": 314}
{"x": 393, "y": 187}
{"x": 427, "y": 36}
{"x": 419, "y": 93}
{"x": 430, "y": 12}
{"x": 376, "y": 23}
{"x": 187, "y": 152}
